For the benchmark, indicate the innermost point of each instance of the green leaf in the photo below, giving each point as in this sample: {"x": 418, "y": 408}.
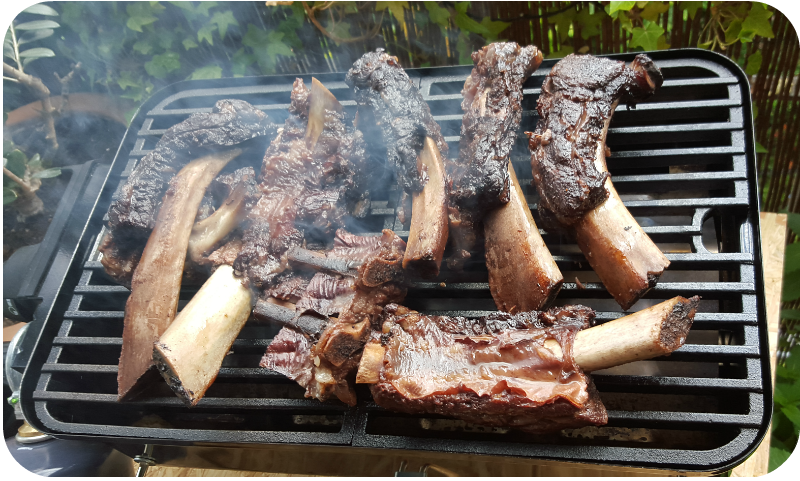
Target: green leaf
{"x": 47, "y": 173}
{"x": 35, "y": 162}
{"x": 161, "y": 65}
{"x": 37, "y": 53}
{"x": 8, "y": 48}
{"x": 126, "y": 80}
{"x": 15, "y": 162}
{"x": 395, "y": 7}
{"x": 467, "y": 24}
{"x": 793, "y": 361}
{"x": 255, "y": 38}
{"x": 223, "y": 20}
{"x": 757, "y": 21}
{"x": 493, "y": 27}
{"x": 207, "y": 72}
{"x": 787, "y": 394}
{"x": 793, "y": 413}
{"x": 615, "y": 6}
{"x": 204, "y": 7}
{"x": 777, "y": 457}
{"x": 791, "y": 260}
{"x": 562, "y": 52}
{"x": 563, "y": 22}
{"x": 276, "y": 46}
{"x": 753, "y": 63}
{"x": 439, "y": 15}
{"x": 464, "y": 49}
{"x": 206, "y": 33}
{"x": 34, "y": 35}
{"x": 783, "y": 372}
{"x": 653, "y": 9}
{"x": 144, "y": 47}
{"x": 41, "y": 9}
{"x": 240, "y": 61}
{"x": 461, "y": 7}
{"x": 690, "y": 7}
{"x": 189, "y": 43}
{"x": 590, "y": 22}
{"x": 733, "y": 31}
{"x": 136, "y": 23}
{"x": 793, "y": 314}
{"x": 760, "y": 149}
{"x": 647, "y": 37}
{"x": 37, "y": 25}
{"x": 794, "y": 222}
{"x": 341, "y": 30}
{"x": 791, "y": 286}
{"x": 9, "y": 195}
{"x": 704, "y": 44}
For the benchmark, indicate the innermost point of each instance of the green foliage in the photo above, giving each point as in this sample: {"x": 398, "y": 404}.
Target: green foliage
{"x": 20, "y": 34}
{"x": 395, "y": 7}
{"x": 646, "y": 37}
{"x": 786, "y": 415}
{"x": 25, "y": 168}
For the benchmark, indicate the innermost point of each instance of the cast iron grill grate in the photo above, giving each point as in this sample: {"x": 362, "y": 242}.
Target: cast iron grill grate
{"x": 683, "y": 162}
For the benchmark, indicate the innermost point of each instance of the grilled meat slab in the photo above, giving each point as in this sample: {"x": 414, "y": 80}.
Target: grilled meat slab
{"x": 386, "y": 95}
{"x": 495, "y": 371}
{"x": 132, "y": 216}
{"x": 568, "y": 157}
{"x": 492, "y": 105}
{"x": 307, "y": 187}
{"x": 577, "y": 100}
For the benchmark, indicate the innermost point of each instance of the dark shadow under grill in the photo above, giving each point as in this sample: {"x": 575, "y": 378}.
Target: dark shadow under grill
{"x": 684, "y": 164}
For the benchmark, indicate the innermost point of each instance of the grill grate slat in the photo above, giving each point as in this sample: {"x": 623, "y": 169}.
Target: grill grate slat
{"x": 684, "y": 164}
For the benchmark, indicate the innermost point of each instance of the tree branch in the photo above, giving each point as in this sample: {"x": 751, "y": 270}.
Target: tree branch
{"x": 310, "y": 12}
{"x": 39, "y": 89}
{"x": 23, "y": 185}
{"x": 64, "y": 81}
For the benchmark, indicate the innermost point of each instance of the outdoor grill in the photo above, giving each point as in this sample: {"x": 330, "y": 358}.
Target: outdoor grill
{"x": 683, "y": 162}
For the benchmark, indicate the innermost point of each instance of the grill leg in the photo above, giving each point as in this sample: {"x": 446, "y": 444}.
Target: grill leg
{"x": 145, "y": 460}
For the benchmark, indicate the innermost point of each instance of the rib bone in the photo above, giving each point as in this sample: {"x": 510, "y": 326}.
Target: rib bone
{"x": 522, "y": 274}
{"x": 156, "y": 282}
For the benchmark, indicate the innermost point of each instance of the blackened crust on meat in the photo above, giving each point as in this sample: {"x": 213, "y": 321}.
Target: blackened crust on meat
{"x": 577, "y": 100}
{"x": 387, "y": 96}
{"x": 580, "y": 317}
{"x": 132, "y": 216}
{"x": 492, "y": 108}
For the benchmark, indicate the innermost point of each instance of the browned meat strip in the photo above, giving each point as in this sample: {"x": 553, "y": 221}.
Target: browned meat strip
{"x": 492, "y": 105}
{"x": 335, "y": 344}
{"x": 568, "y": 153}
{"x": 496, "y": 371}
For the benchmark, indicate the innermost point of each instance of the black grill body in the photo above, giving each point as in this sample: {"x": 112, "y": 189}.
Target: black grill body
{"x": 684, "y": 164}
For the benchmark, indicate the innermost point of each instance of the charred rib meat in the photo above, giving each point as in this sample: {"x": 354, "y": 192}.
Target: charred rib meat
{"x": 568, "y": 157}
{"x": 384, "y": 93}
{"x": 492, "y": 106}
{"x": 495, "y": 371}
{"x": 132, "y": 216}
{"x": 306, "y": 190}
{"x": 577, "y": 100}
{"x": 322, "y": 353}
